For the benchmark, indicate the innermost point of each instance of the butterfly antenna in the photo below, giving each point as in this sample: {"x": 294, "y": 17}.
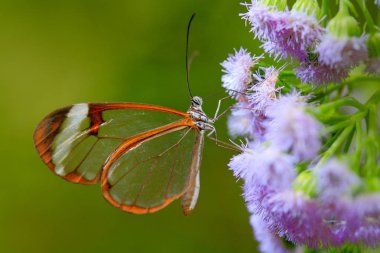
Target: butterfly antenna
{"x": 187, "y": 53}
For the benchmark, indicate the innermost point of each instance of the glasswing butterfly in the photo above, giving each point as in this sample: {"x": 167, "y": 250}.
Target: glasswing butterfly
{"x": 144, "y": 156}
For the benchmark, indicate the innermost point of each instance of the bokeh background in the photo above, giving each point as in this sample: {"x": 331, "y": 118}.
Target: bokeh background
{"x": 55, "y": 53}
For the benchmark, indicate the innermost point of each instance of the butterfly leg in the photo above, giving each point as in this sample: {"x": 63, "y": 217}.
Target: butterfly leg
{"x": 224, "y": 112}
{"x": 226, "y": 145}
{"x": 213, "y": 131}
{"x": 218, "y": 108}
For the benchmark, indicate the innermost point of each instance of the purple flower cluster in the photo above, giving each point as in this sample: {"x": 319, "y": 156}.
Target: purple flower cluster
{"x": 298, "y": 34}
{"x": 304, "y": 184}
{"x": 332, "y": 217}
{"x": 316, "y": 205}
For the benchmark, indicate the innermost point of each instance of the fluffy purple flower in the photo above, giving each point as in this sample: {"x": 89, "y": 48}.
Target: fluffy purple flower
{"x": 265, "y": 20}
{"x": 263, "y": 92}
{"x": 259, "y": 128}
{"x": 245, "y": 121}
{"x": 241, "y": 120}
{"x": 239, "y": 164}
{"x": 291, "y": 128}
{"x": 286, "y": 33}
{"x": 292, "y": 214}
{"x": 334, "y": 179}
{"x": 298, "y": 34}
{"x": 270, "y": 242}
{"x": 316, "y": 73}
{"x": 368, "y": 209}
{"x": 266, "y": 166}
{"x": 302, "y": 220}
{"x": 238, "y": 73}
{"x": 342, "y": 53}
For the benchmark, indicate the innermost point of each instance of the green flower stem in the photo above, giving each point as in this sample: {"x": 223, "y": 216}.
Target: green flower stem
{"x": 367, "y": 15}
{"x": 331, "y": 140}
{"x": 346, "y": 147}
{"x": 360, "y": 80}
{"x": 372, "y": 142}
{"x": 374, "y": 99}
{"x": 356, "y": 156}
{"x": 346, "y": 123}
{"x": 343, "y": 7}
{"x": 325, "y": 11}
{"x": 326, "y": 90}
{"x": 287, "y": 73}
{"x": 370, "y": 166}
{"x": 373, "y": 122}
{"x": 337, "y": 144}
{"x": 347, "y": 101}
{"x": 286, "y": 87}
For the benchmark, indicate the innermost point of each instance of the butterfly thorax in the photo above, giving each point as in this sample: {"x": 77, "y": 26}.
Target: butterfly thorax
{"x": 199, "y": 116}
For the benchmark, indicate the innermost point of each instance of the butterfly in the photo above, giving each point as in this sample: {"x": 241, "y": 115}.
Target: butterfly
{"x": 144, "y": 156}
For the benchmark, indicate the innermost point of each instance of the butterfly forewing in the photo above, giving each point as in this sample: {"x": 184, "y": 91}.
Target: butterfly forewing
{"x": 127, "y": 122}
{"x": 75, "y": 141}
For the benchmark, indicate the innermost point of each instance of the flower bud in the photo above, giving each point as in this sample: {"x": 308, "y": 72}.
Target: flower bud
{"x": 280, "y": 4}
{"x": 373, "y": 44}
{"x": 305, "y": 183}
{"x": 310, "y": 7}
{"x": 372, "y": 184}
{"x": 343, "y": 25}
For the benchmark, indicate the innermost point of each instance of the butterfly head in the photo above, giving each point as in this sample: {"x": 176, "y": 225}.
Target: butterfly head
{"x": 196, "y": 102}
{"x": 197, "y": 114}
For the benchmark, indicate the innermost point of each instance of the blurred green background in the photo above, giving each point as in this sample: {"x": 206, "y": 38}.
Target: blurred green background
{"x": 55, "y": 53}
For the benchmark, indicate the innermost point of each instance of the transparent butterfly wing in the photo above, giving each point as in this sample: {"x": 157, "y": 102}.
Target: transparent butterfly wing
{"x": 76, "y": 140}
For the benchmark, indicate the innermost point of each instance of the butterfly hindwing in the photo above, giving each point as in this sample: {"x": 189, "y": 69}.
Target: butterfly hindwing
{"x": 149, "y": 171}
{"x": 190, "y": 197}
